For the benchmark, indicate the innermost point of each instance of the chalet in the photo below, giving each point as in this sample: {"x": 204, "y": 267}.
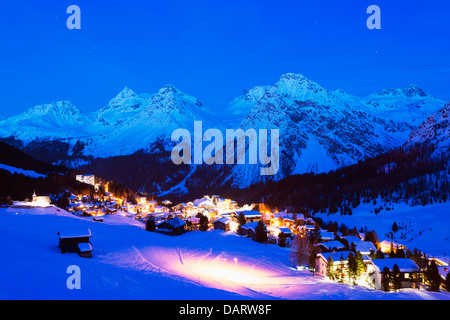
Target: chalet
{"x": 327, "y": 236}
{"x": 250, "y": 215}
{"x": 179, "y": 207}
{"x": 284, "y": 232}
{"x": 161, "y": 209}
{"x": 192, "y": 223}
{"x": 204, "y": 203}
{"x": 365, "y": 247}
{"x": 288, "y": 222}
{"x": 410, "y": 273}
{"x": 330, "y": 246}
{"x": 76, "y": 242}
{"x": 110, "y": 210}
{"x": 249, "y": 229}
{"x": 443, "y": 272}
{"x": 222, "y": 224}
{"x": 386, "y": 245}
{"x": 339, "y": 261}
{"x": 233, "y": 205}
{"x": 174, "y": 226}
{"x": 306, "y": 228}
{"x": 225, "y": 204}
{"x": 300, "y": 217}
{"x": 350, "y": 240}
{"x": 152, "y": 204}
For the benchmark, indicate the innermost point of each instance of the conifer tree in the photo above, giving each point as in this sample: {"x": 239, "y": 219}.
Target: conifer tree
{"x": 351, "y": 267}
{"x": 241, "y": 221}
{"x": 204, "y": 221}
{"x": 330, "y": 270}
{"x": 386, "y": 279}
{"x": 360, "y": 266}
{"x": 150, "y": 225}
{"x": 433, "y": 277}
{"x": 447, "y": 282}
{"x": 282, "y": 241}
{"x": 312, "y": 259}
{"x": 379, "y": 254}
{"x": 396, "y": 281}
{"x": 260, "y": 232}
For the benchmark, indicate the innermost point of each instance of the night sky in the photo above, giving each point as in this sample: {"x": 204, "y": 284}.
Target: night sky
{"x": 214, "y": 49}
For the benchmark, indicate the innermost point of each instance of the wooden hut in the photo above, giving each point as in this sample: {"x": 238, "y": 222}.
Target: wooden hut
{"x": 76, "y": 242}
{"x": 174, "y": 226}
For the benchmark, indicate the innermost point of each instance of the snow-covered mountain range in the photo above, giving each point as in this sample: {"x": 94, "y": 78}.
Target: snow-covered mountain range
{"x": 435, "y": 129}
{"x": 320, "y": 130}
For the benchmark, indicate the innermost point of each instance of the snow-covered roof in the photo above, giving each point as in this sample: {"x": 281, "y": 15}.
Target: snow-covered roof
{"x": 332, "y": 245}
{"x": 85, "y": 247}
{"x": 404, "y": 264}
{"x": 174, "y": 222}
{"x": 365, "y": 247}
{"x": 285, "y": 230}
{"x": 250, "y": 213}
{"x": 352, "y": 239}
{"x": 224, "y": 220}
{"x": 74, "y": 234}
{"x": 327, "y": 235}
{"x": 387, "y": 243}
{"x": 203, "y": 202}
{"x": 251, "y": 225}
{"x": 336, "y": 256}
{"x": 443, "y": 271}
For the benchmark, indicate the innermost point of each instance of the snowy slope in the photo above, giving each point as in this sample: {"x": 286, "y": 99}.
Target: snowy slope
{"x": 426, "y": 226}
{"x": 410, "y": 104}
{"x": 28, "y": 173}
{"x": 435, "y": 129}
{"x": 131, "y": 263}
{"x": 46, "y": 122}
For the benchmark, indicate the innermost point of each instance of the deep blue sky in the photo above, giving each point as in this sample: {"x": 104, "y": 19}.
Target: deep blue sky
{"x": 213, "y": 49}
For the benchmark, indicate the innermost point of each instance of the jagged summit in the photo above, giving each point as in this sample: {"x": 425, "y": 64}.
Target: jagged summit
{"x": 435, "y": 129}
{"x": 168, "y": 89}
{"x": 63, "y": 105}
{"x": 126, "y": 93}
{"x": 410, "y": 91}
{"x": 297, "y": 83}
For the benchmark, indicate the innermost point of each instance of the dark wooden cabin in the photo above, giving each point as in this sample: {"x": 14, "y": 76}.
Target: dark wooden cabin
{"x": 174, "y": 226}
{"x": 76, "y": 242}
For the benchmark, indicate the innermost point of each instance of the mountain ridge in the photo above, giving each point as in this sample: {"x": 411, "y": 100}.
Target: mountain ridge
{"x": 320, "y": 130}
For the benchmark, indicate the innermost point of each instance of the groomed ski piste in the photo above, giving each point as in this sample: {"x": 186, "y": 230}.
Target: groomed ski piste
{"x": 131, "y": 263}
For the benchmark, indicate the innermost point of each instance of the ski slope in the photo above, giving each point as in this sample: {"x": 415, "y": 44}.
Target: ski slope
{"x": 131, "y": 263}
